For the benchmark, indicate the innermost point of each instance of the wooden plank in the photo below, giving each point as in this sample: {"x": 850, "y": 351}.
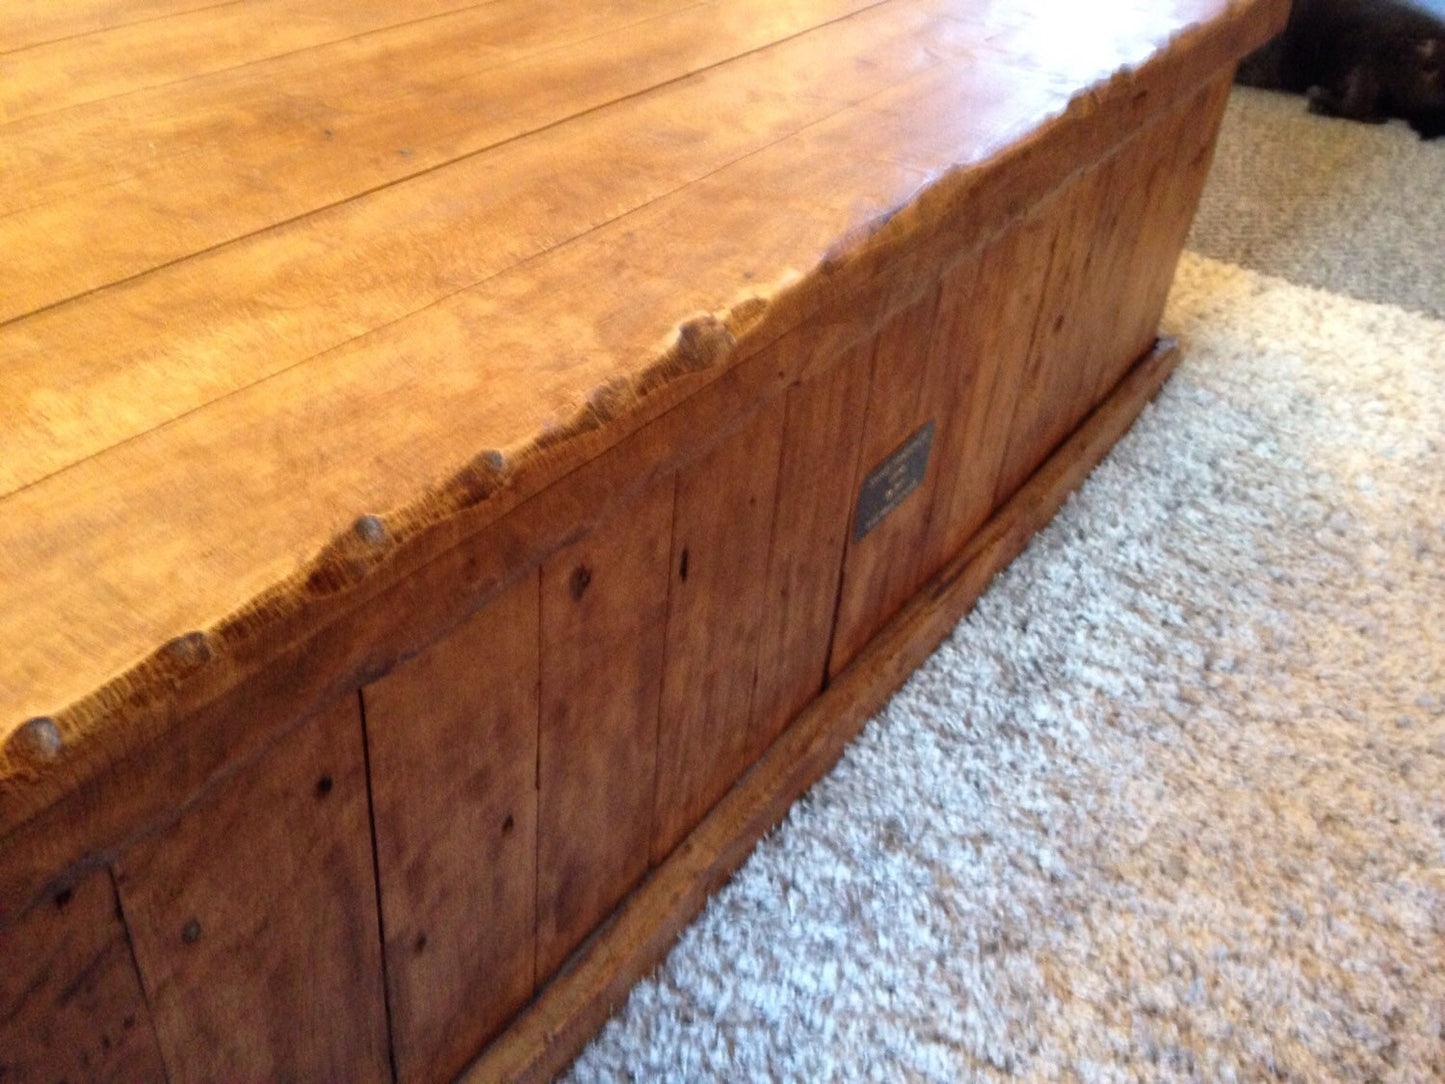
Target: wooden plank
{"x": 1125, "y": 198}
{"x": 1108, "y": 333}
{"x": 254, "y": 919}
{"x": 174, "y": 122}
{"x": 107, "y": 192}
{"x": 1109, "y": 274}
{"x": 604, "y": 612}
{"x": 987, "y": 318}
{"x": 261, "y": 306}
{"x": 453, "y": 745}
{"x": 25, "y": 23}
{"x": 722, "y": 526}
{"x": 1164, "y": 209}
{"x": 554, "y": 1029}
{"x": 103, "y": 592}
{"x": 822, "y": 435}
{"x": 144, "y": 55}
{"x": 70, "y": 1000}
{"x": 880, "y": 569}
{"x": 1047, "y": 403}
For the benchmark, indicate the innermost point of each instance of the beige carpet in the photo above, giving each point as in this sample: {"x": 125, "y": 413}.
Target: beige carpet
{"x": 1170, "y": 804}
{"x": 1354, "y": 208}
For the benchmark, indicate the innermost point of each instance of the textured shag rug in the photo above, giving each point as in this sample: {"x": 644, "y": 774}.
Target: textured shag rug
{"x": 1170, "y": 803}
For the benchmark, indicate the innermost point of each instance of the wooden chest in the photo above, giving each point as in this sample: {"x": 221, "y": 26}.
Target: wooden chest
{"x": 466, "y": 467}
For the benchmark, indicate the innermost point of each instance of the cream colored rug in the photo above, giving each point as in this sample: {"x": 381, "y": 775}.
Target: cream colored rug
{"x": 1170, "y": 804}
{"x": 1354, "y": 208}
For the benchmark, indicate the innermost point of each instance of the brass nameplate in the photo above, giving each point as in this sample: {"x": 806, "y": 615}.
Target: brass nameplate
{"x": 892, "y": 481}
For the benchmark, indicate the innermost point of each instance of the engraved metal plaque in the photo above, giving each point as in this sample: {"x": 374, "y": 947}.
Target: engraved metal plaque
{"x": 892, "y": 481}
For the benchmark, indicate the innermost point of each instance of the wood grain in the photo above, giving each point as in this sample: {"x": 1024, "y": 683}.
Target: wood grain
{"x": 157, "y": 52}
{"x": 1168, "y": 196}
{"x": 24, "y": 23}
{"x": 987, "y": 316}
{"x": 822, "y": 434}
{"x": 555, "y": 1027}
{"x": 880, "y": 570}
{"x": 720, "y": 534}
{"x": 1121, "y": 227}
{"x": 269, "y": 111}
{"x": 133, "y": 183}
{"x": 452, "y": 737}
{"x": 604, "y": 612}
{"x": 1047, "y": 402}
{"x": 324, "y": 357}
{"x": 469, "y": 360}
{"x": 541, "y": 372}
{"x": 414, "y": 243}
{"x": 171, "y": 584}
{"x": 378, "y": 625}
{"x": 71, "y": 1005}
{"x": 254, "y": 919}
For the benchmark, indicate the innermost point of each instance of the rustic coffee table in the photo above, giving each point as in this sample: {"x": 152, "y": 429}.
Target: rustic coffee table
{"x": 466, "y": 467}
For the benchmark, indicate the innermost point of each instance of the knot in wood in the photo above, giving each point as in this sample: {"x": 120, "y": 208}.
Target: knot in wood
{"x": 581, "y": 579}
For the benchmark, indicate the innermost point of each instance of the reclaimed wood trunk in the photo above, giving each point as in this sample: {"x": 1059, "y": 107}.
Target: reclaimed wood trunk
{"x": 467, "y": 467}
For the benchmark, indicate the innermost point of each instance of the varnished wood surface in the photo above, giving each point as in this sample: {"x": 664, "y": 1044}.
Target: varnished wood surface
{"x": 822, "y": 433}
{"x": 1118, "y": 236}
{"x": 452, "y": 737}
{"x": 259, "y": 956}
{"x": 555, "y": 1027}
{"x": 722, "y": 524}
{"x": 248, "y": 302}
{"x": 71, "y": 1005}
{"x": 88, "y": 61}
{"x": 604, "y": 618}
{"x": 879, "y": 568}
{"x": 987, "y": 314}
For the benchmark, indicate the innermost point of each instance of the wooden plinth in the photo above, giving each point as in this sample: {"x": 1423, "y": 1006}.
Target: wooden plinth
{"x": 466, "y": 471}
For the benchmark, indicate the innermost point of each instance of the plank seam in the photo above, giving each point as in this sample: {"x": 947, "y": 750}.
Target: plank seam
{"x": 140, "y": 984}
{"x": 119, "y": 26}
{"x": 234, "y": 67}
{"x": 376, "y": 886}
